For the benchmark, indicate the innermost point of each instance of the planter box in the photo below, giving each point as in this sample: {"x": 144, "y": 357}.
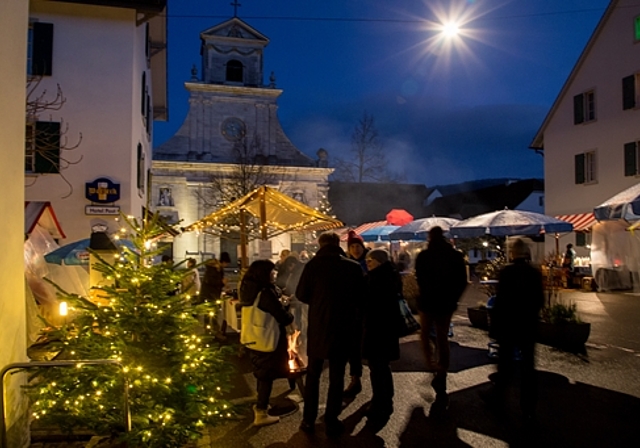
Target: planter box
{"x": 567, "y": 336}
{"x": 479, "y": 317}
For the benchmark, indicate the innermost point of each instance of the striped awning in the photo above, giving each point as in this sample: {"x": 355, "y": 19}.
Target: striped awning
{"x": 582, "y": 222}
{"x": 363, "y": 227}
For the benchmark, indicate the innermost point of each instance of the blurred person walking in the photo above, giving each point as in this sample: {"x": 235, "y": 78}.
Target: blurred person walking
{"x": 514, "y": 319}
{"x": 442, "y": 279}
{"x": 380, "y": 341}
{"x": 267, "y": 366}
{"x": 333, "y": 287}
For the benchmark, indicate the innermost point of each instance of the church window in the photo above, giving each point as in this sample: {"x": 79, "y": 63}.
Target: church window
{"x": 234, "y": 71}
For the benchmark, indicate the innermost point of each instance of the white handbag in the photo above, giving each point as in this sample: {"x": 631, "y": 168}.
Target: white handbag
{"x": 259, "y": 330}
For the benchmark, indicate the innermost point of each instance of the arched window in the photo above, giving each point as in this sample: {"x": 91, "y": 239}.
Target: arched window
{"x": 234, "y": 71}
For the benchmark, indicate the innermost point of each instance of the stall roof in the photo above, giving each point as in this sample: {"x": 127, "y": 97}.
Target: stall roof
{"x": 277, "y": 213}
{"x": 41, "y": 212}
{"x": 582, "y": 222}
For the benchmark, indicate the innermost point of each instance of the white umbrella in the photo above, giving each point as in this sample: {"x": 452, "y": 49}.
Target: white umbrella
{"x": 624, "y": 205}
{"x": 419, "y": 229}
{"x": 509, "y": 223}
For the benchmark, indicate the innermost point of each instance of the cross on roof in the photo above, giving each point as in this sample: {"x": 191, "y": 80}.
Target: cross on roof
{"x": 235, "y": 5}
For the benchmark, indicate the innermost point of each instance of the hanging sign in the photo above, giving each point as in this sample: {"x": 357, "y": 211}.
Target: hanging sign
{"x": 102, "y": 191}
{"x": 102, "y": 210}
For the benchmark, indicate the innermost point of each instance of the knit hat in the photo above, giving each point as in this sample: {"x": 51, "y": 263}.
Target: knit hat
{"x": 354, "y": 238}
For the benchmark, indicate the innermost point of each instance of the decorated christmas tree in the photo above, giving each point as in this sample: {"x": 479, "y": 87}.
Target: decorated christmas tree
{"x": 175, "y": 378}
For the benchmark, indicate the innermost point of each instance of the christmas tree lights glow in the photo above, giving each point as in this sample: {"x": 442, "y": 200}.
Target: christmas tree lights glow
{"x": 176, "y": 379}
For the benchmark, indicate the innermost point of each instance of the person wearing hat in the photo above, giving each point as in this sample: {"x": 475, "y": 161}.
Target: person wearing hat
{"x": 356, "y": 252}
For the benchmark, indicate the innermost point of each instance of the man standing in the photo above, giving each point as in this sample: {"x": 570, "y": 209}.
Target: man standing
{"x": 442, "y": 278}
{"x": 333, "y": 287}
{"x": 514, "y": 320}
{"x": 356, "y": 252}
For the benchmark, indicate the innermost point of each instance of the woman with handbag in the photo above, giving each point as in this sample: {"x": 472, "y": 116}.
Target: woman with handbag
{"x": 264, "y": 319}
{"x": 380, "y": 341}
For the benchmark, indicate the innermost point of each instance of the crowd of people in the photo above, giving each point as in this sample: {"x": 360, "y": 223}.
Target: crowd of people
{"x": 344, "y": 303}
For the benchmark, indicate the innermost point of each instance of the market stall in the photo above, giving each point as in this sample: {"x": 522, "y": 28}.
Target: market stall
{"x": 262, "y": 214}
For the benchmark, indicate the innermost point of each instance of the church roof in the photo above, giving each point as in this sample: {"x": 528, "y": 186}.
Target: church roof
{"x": 235, "y": 28}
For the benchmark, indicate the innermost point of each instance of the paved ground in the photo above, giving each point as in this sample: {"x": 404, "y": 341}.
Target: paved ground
{"x": 586, "y": 400}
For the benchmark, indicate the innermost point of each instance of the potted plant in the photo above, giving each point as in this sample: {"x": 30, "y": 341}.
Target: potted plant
{"x": 561, "y": 327}
{"x": 479, "y": 315}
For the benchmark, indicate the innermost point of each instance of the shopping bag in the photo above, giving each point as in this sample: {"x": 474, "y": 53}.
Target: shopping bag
{"x": 407, "y": 322}
{"x": 259, "y": 330}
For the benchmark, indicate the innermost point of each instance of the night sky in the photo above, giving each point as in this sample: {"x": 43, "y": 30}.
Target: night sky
{"x": 447, "y": 109}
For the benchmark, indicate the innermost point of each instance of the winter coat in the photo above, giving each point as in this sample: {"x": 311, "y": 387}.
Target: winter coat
{"x": 519, "y": 298}
{"x": 271, "y": 365}
{"x": 362, "y": 261}
{"x": 442, "y": 278}
{"x": 212, "y": 281}
{"x": 333, "y": 286}
{"x": 380, "y": 312}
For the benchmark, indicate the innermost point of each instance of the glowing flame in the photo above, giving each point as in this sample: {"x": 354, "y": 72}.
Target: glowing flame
{"x": 294, "y": 360}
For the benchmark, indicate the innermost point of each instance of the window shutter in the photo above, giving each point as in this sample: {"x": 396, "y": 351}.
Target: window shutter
{"x": 42, "y": 62}
{"x": 630, "y": 159}
{"x": 579, "y": 168}
{"x": 578, "y": 109}
{"x": 141, "y": 168}
{"x": 143, "y": 97}
{"x": 47, "y": 157}
{"x": 629, "y": 92}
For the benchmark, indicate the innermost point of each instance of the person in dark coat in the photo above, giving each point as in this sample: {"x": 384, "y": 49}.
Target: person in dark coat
{"x": 357, "y": 252}
{"x": 514, "y": 320}
{"x": 380, "y": 340}
{"x": 333, "y": 287}
{"x": 442, "y": 278}
{"x": 266, "y": 366}
{"x": 212, "y": 284}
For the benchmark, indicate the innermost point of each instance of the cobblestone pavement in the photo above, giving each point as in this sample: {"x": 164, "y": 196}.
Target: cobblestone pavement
{"x": 586, "y": 400}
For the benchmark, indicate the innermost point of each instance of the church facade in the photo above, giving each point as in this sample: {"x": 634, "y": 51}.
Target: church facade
{"x": 230, "y": 142}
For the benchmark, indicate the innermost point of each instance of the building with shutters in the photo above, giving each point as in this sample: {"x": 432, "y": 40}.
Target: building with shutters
{"x": 590, "y": 137}
{"x": 97, "y": 81}
{"x": 231, "y": 139}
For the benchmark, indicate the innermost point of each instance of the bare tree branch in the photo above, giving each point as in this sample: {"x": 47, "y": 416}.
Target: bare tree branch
{"x": 367, "y": 161}
{"x": 44, "y": 144}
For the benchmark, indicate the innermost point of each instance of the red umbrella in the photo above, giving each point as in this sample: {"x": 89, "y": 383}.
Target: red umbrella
{"x": 399, "y": 217}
